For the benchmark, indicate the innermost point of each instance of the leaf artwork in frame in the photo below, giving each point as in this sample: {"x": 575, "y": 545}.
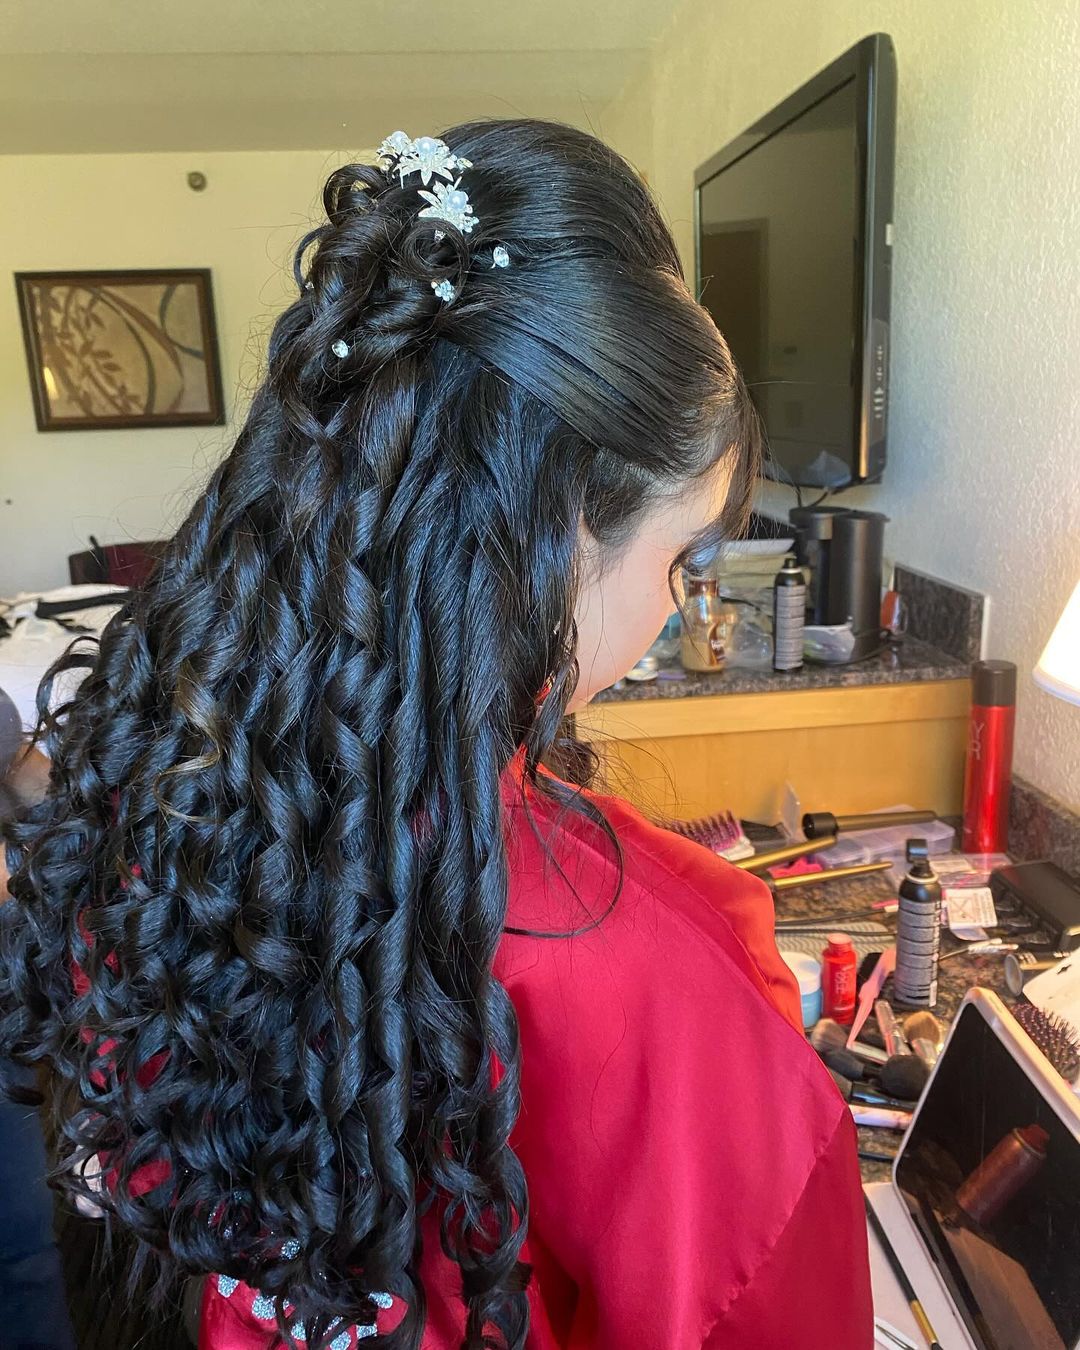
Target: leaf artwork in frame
{"x": 121, "y": 349}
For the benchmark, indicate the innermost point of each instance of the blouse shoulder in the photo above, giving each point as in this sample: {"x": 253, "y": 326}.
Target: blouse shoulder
{"x": 633, "y": 885}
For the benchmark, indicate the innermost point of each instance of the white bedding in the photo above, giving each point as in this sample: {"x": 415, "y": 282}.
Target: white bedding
{"x": 35, "y": 644}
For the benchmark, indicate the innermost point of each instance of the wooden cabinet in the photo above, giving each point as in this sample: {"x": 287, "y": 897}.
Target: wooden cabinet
{"x": 842, "y": 750}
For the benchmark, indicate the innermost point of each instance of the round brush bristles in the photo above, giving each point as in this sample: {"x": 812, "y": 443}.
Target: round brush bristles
{"x": 1055, "y": 1037}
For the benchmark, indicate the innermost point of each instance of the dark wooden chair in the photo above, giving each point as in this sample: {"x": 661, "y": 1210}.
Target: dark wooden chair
{"x": 114, "y": 564}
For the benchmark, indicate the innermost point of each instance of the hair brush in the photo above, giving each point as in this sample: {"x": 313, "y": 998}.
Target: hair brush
{"x": 721, "y": 833}
{"x": 1055, "y": 1037}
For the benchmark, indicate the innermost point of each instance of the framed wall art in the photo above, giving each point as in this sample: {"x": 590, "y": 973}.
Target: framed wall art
{"x": 121, "y": 349}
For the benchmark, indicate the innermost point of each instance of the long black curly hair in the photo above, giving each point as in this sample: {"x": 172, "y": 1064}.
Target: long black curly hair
{"x": 254, "y": 919}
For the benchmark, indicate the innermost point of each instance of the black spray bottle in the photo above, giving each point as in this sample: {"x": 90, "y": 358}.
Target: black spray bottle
{"x": 789, "y": 616}
{"x": 918, "y": 934}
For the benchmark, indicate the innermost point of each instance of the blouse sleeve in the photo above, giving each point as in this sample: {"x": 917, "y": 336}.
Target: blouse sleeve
{"x": 811, "y": 1289}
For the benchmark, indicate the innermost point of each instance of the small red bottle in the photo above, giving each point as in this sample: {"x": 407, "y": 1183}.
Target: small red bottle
{"x": 988, "y": 776}
{"x": 838, "y": 967}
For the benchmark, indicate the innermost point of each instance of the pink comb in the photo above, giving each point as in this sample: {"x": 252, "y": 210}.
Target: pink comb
{"x": 871, "y": 989}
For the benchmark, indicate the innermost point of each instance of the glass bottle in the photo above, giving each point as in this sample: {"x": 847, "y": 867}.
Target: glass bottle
{"x": 707, "y": 625}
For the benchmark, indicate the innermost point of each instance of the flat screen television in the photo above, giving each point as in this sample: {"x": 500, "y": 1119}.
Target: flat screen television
{"x": 794, "y": 244}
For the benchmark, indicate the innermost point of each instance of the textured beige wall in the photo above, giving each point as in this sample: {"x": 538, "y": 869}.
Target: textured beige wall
{"x": 983, "y": 486}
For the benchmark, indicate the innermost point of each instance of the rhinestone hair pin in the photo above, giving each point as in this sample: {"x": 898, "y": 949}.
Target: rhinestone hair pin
{"x": 440, "y": 172}
{"x": 427, "y": 156}
{"x": 446, "y": 200}
{"x": 450, "y": 203}
{"x": 432, "y": 159}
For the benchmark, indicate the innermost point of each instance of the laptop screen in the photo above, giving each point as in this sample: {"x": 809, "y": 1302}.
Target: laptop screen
{"x": 991, "y": 1177}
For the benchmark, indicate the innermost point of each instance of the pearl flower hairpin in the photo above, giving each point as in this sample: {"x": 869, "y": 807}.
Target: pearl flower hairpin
{"x": 450, "y": 203}
{"x": 428, "y": 156}
{"x": 446, "y": 200}
{"x": 432, "y": 159}
{"x": 440, "y": 172}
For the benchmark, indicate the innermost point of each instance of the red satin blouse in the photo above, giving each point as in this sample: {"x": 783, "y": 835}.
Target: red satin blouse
{"x": 692, "y": 1170}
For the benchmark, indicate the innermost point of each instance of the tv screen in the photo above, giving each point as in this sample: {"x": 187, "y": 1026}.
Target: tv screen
{"x": 794, "y": 236}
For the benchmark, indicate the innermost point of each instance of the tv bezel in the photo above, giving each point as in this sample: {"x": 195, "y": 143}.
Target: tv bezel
{"x": 871, "y": 64}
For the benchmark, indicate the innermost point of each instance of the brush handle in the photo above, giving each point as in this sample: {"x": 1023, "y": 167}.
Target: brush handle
{"x": 880, "y": 1117}
{"x": 889, "y": 1027}
{"x": 886, "y": 964}
{"x": 901, "y": 1277}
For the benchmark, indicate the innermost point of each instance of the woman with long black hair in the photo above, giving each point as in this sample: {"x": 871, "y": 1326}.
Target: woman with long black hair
{"x": 350, "y": 1005}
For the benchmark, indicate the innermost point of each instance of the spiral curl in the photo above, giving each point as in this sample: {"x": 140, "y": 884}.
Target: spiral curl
{"x": 273, "y": 846}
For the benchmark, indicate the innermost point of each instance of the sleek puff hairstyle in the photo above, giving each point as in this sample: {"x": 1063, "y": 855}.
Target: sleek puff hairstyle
{"x": 273, "y": 843}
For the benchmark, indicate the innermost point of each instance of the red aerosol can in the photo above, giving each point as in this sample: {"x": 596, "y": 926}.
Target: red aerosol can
{"x": 988, "y": 775}
{"x": 838, "y": 977}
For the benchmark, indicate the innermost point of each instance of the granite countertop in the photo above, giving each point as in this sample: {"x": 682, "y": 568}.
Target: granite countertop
{"x": 905, "y": 662}
{"x": 956, "y": 975}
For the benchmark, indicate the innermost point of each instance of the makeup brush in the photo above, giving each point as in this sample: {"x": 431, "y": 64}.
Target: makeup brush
{"x": 829, "y": 1035}
{"x": 891, "y": 1035}
{"x": 925, "y": 1034}
{"x": 879, "y": 1117}
{"x": 902, "y": 1277}
{"x": 845, "y": 1062}
{"x": 854, "y": 1092}
{"x": 904, "y": 1076}
{"x": 924, "y": 1025}
{"x": 872, "y": 1155}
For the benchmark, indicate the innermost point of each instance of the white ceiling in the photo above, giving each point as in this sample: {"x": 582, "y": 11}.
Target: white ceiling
{"x": 81, "y": 76}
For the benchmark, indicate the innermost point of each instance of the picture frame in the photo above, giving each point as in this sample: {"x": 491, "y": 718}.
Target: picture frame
{"x": 109, "y": 350}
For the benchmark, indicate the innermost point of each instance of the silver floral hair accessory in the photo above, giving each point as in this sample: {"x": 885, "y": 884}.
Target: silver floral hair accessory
{"x": 431, "y": 159}
{"x": 450, "y": 203}
{"x": 446, "y": 200}
{"x": 340, "y": 348}
{"x": 427, "y": 156}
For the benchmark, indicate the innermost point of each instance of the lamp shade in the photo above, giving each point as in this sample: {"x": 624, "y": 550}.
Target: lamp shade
{"x": 1058, "y": 670}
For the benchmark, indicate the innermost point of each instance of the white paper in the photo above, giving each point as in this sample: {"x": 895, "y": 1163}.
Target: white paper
{"x": 969, "y": 912}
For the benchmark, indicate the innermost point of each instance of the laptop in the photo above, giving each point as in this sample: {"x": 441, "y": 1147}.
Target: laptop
{"x": 983, "y": 1209}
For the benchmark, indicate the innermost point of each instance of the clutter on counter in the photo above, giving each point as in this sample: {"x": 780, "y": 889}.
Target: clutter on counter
{"x": 894, "y": 1051}
{"x": 748, "y": 670}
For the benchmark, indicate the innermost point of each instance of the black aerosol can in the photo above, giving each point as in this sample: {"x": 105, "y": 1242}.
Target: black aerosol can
{"x": 789, "y": 616}
{"x": 918, "y": 934}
